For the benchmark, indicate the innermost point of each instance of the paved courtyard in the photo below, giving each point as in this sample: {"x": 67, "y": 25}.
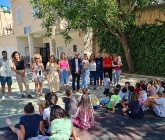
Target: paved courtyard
{"x": 109, "y": 126}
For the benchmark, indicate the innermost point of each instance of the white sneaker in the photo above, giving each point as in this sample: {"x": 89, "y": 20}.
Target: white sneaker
{"x": 11, "y": 97}
{"x": 3, "y": 98}
{"x": 144, "y": 109}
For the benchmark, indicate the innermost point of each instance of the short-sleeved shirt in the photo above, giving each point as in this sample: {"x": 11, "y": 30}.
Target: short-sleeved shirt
{"x": 61, "y": 129}
{"x": 106, "y": 82}
{"x": 115, "y": 99}
{"x": 160, "y": 106}
{"x": 99, "y": 64}
{"x": 124, "y": 96}
{"x": 46, "y": 113}
{"x": 31, "y": 124}
{"x": 107, "y": 61}
{"x": 19, "y": 64}
{"x": 70, "y": 106}
{"x": 161, "y": 89}
{"x": 5, "y": 67}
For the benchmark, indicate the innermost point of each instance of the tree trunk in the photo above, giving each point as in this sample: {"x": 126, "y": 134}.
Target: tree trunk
{"x": 127, "y": 52}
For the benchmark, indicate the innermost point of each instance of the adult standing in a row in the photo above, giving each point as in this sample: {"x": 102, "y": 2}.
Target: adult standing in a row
{"x": 20, "y": 70}
{"x": 64, "y": 72}
{"x": 5, "y": 68}
{"x": 99, "y": 69}
{"x": 107, "y": 64}
{"x": 76, "y": 68}
{"x": 92, "y": 67}
{"x": 85, "y": 71}
{"x": 52, "y": 74}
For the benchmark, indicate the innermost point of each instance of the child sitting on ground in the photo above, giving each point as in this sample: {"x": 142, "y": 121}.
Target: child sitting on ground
{"x": 43, "y": 104}
{"x": 151, "y": 90}
{"x": 104, "y": 101}
{"x": 106, "y": 84}
{"x": 157, "y": 103}
{"x": 61, "y": 124}
{"x": 137, "y": 89}
{"x": 134, "y": 108}
{"x": 52, "y": 100}
{"x": 84, "y": 118}
{"x": 70, "y": 103}
{"x": 162, "y": 86}
{"x": 30, "y": 124}
{"x": 115, "y": 98}
{"x": 124, "y": 94}
{"x": 157, "y": 85}
{"x": 143, "y": 94}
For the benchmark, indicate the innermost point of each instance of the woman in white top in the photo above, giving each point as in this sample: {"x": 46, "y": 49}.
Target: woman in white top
{"x": 38, "y": 76}
{"x": 52, "y": 74}
{"x": 92, "y": 68}
{"x": 85, "y": 71}
{"x": 143, "y": 94}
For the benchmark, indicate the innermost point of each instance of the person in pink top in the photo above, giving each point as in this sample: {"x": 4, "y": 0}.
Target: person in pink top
{"x": 64, "y": 72}
{"x": 84, "y": 118}
{"x": 116, "y": 68}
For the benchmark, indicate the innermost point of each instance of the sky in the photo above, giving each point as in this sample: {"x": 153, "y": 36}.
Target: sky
{"x": 5, "y": 3}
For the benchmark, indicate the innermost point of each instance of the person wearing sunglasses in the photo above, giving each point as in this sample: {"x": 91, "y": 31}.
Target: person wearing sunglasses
{"x": 38, "y": 77}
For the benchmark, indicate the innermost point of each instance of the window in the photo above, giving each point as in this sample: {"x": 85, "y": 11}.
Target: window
{"x": 35, "y": 11}
{"x": 74, "y": 48}
{"x": 18, "y": 15}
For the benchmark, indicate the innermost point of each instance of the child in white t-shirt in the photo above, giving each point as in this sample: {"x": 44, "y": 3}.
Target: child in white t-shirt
{"x": 106, "y": 84}
{"x": 158, "y": 104}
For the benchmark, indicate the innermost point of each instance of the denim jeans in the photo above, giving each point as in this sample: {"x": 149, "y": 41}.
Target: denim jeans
{"x": 93, "y": 75}
{"x": 117, "y": 76}
{"x": 85, "y": 77}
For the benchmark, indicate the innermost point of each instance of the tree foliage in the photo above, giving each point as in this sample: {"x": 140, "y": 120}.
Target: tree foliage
{"x": 147, "y": 46}
{"x": 111, "y": 15}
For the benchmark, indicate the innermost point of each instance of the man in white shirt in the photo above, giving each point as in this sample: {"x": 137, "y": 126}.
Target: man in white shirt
{"x": 6, "y": 69}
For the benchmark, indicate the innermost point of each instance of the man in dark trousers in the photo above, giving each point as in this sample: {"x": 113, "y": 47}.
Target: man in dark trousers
{"x": 76, "y": 67}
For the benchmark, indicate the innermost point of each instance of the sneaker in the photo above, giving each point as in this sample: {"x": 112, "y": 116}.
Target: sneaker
{"x": 30, "y": 96}
{"x": 11, "y": 97}
{"x": 3, "y": 98}
{"x": 101, "y": 87}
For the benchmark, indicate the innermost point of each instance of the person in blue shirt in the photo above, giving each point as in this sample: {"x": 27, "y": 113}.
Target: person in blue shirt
{"x": 99, "y": 69}
{"x": 134, "y": 108}
{"x": 30, "y": 124}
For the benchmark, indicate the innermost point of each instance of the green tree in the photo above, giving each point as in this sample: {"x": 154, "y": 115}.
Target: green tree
{"x": 112, "y": 15}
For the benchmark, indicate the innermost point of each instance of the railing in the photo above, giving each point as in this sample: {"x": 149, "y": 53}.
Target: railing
{"x": 6, "y": 30}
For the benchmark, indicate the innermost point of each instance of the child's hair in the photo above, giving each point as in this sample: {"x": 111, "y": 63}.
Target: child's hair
{"x": 152, "y": 83}
{"x": 106, "y": 74}
{"x": 131, "y": 89}
{"x": 138, "y": 85}
{"x": 127, "y": 83}
{"x": 85, "y": 101}
{"x": 134, "y": 97}
{"x": 162, "y": 83}
{"x": 109, "y": 94}
{"x": 50, "y": 99}
{"x": 68, "y": 92}
{"x": 57, "y": 113}
{"x": 124, "y": 90}
{"x": 142, "y": 82}
{"x": 29, "y": 108}
{"x": 159, "y": 94}
{"x": 85, "y": 91}
{"x": 143, "y": 87}
{"x": 163, "y": 93}
{"x": 46, "y": 99}
{"x": 118, "y": 86}
{"x": 116, "y": 91}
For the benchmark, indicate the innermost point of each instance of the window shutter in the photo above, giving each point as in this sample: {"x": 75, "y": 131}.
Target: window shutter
{"x": 18, "y": 15}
